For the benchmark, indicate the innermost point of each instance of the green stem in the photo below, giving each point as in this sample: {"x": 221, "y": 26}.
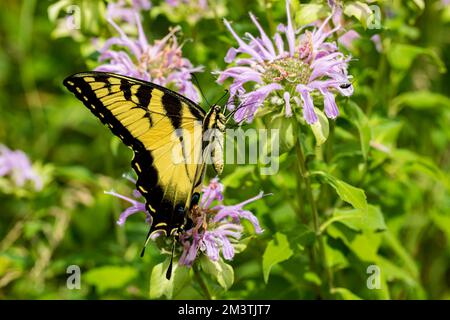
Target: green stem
{"x": 305, "y": 175}
{"x": 202, "y": 283}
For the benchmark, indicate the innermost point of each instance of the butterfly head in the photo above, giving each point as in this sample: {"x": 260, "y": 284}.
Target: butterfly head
{"x": 218, "y": 118}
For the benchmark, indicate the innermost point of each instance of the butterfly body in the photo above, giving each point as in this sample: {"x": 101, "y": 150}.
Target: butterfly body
{"x": 155, "y": 122}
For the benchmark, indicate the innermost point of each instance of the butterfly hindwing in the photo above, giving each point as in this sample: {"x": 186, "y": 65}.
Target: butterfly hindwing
{"x": 162, "y": 127}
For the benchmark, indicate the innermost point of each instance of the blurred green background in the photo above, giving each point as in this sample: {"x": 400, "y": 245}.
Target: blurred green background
{"x": 402, "y": 92}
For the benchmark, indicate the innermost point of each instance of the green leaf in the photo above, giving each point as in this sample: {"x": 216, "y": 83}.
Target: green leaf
{"x": 160, "y": 286}
{"x": 360, "y": 10}
{"x": 348, "y": 193}
{"x": 357, "y": 219}
{"x": 401, "y": 56}
{"x": 410, "y": 162}
{"x": 393, "y": 272}
{"x": 420, "y": 100}
{"x": 420, "y": 4}
{"x": 285, "y": 138}
{"x": 385, "y": 132}
{"x": 335, "y": 257}
{"x": 219, "y": 270}
{"x": 355, "y": 196}
{"x": 278, "y": 250}
{"x": 363, "y": 245}
{"x": 54, "y": 9}
{"x": 312, "y": 277}
{"x": 308, "y": 13}
{"x": 109, "y": 277}
{"x": 409, "y": 263}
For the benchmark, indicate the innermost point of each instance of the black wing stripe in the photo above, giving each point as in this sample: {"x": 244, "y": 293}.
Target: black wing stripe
{"x": 173, "y": 107}
{"x": 144, "y": 96}
{"x": 99, "y": 110}
{"x": 125, "y": 88}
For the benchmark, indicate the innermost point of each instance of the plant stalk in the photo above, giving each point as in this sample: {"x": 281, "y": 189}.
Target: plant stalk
{"x": 202, "y": 283}
{"x": 315, "y": 215}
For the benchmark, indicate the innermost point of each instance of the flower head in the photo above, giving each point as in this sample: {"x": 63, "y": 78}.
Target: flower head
{"x": 307, "y": 65}
{"x": 123, "y": 10}
{"x": 17, "y": 165}
{"x": 161, "y": 62}
{"x": 216, "y": 229}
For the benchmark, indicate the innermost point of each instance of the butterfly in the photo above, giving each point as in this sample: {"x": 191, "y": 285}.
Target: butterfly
{"x": 157, "y": 123}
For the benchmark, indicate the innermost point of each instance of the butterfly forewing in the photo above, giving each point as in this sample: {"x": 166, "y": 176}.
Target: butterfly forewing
{"x": 162, "y": 127}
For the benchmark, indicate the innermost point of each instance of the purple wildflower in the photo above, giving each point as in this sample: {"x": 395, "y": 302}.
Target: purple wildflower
{"x": 216, "y": 228}
{"x": 123, "y": 10}
{"x": 136, "y": 206}
{"x": 347, "y": 38}
{"x": 376, "y": 39}
{"x": 17, "y": 165}
{"x": 307, "y": 66}
{"x": 161, "y": 63}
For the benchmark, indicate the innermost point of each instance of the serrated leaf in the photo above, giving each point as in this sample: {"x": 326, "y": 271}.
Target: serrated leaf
{"x": 355, "y": 196}
{"x": 348, "y": 193}
{"x": 278, "y": 250}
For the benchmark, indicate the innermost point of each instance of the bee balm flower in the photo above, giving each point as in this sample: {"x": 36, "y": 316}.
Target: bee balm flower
{"x": 16, "y": 165}
{"x": 293, "y": 69}
{"x": 161, "y": 62}
{"x": 215, "y": 228}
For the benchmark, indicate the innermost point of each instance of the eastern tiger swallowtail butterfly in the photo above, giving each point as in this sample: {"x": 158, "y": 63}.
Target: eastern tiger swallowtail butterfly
{"x": 145, "y": 116}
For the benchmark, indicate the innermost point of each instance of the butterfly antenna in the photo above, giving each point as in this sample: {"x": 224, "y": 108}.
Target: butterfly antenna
{"x": 145, "y": 244}
{"x": 169, "y": 269}
{"x": 221, "y": 98}
{"x": 200, "y": 88}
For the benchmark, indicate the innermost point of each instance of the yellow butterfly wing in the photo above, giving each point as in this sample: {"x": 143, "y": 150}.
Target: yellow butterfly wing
{"x": 163, "y": 128}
